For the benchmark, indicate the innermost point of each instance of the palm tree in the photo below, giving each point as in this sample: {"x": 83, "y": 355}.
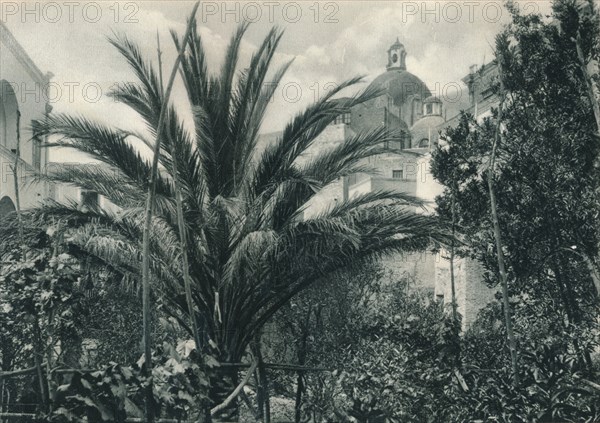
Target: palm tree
{"x": 250, "y": 249}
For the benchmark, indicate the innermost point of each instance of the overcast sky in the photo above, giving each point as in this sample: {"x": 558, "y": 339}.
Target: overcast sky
{"x": 330, "y": 41}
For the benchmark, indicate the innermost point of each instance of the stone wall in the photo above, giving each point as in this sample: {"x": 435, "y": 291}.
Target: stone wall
{"x": 477, "y": 293}
{"x": 472, "y": 294}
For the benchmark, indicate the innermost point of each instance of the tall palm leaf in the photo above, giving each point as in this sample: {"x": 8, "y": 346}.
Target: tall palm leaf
{"x": 250, "y": 250}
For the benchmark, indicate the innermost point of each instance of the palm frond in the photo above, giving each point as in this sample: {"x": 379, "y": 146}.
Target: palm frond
{"x": 374, "y": 197}
{"x": 143, "y": 70}
{"x": 299, "y": 135}
{"x": 111, "y": 184}
{"x": 349, "y": 157}
{"x": 249, "y": 106}
{"x": 103, "y": 144}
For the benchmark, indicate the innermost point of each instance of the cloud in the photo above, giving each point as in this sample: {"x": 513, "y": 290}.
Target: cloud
{"x": 440, "y": 50}
{"x": 440, "y": 47}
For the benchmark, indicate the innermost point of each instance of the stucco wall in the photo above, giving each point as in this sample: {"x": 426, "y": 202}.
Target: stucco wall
{"x": 28, "y": 85}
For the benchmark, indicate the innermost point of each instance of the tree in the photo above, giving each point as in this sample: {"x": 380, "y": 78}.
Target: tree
{"x": 546, "y": 181}
{"x": 249, "y": 248}
{"x": 41, "y": 298}
{"x": 318, "y": 328}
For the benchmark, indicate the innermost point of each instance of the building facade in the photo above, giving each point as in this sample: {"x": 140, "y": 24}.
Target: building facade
{"x": 23, "y": 99}
{"x": 407, "y": 107}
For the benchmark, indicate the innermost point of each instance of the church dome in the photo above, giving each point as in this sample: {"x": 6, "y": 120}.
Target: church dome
{"x": 425, "y": 132}
{"x": 401, "y": 85}
{"x": 397, "y": 82}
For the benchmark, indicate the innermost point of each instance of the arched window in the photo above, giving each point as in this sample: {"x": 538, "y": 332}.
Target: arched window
{"x": 6, "y": 207}
{"x": 424, "y": 143}
{"x": 9, "y": 111}
{"x": 417, "y": 108}
{"x": 405, "y": 141}
{"x": 36, "y": 153}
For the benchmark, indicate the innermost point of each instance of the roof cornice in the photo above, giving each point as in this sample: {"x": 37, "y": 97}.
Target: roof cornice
{"x": 13, "y": 45}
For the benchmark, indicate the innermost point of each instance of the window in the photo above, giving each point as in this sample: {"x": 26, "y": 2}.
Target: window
{"x": 343, "y": 118}
{"x": 398, "y": 174}
{"x": 36, "y": 159}
{"x": 428, "y": 109}
{"x": 424, "y": 143}
{"x": 396, "y": 144}
{"x": 6, "y": 206}
{"x": 9, "y": 118}
{"x": 487, "y": 93}
{"x": 89, "y": 199}
{"x": 404, "y": 141}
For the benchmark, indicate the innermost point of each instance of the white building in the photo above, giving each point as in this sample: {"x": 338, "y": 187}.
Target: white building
{"x": 407, "y": 105}
{"x": 23, "y": 99}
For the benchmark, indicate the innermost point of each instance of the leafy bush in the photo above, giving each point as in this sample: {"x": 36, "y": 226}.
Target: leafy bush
{"x": 551, "y": 370}
{"x": 116, "y": 392}
{"x": 405, "y": 361}
{"x": 403, "y": 367}
{"x": 50, "y": 301}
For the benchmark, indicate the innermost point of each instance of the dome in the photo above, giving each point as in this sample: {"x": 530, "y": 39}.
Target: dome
{"x": 401, "y": 85}
{"x": 425, "y": 131}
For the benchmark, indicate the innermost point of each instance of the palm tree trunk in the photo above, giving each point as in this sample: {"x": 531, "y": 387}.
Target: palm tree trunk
{"x": 596, "y": 108}
{"x": 512, "y": 344}
{"x": 260, "y": 397}
{"x": 222, "y": 385}
{"x": 149, "y": 407}
{"x": 264, "y": 402}
{"x": 299, "y": 389}
{"x": 583, "y": 64}
{"x": 264, "y": 381}
{"x": 302, "y": 353}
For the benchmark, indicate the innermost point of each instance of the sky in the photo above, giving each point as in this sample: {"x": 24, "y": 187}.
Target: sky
{"x": 328, "y": 41}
